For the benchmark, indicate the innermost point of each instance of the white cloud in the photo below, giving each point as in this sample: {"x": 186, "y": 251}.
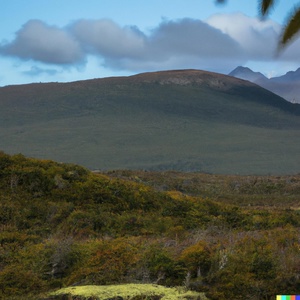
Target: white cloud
{"x": 258, "y": 38}
{"x": 38, "y": 71}
{"x": 172, "y": 44}
{"x": 291, "y": 52}
{"x": 44, "y": 43}
{"x": 219, "y": 44}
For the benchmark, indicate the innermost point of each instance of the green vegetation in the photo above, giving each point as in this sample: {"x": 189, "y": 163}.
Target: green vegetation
{"x": 62, "y": 226}
{"x": 254, "y": 191}
{"x": 181, "y": 120}
{"x": 129, "y": 291}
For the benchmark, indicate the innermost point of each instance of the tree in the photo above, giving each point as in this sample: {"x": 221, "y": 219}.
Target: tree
{"x": 197, "y": 258}
{"x": 291, "y": 27}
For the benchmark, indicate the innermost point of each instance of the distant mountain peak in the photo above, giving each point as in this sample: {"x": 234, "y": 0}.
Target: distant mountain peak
{"x": 242, "y": 69}
{"x": 286, "y": 86}
{"x": 247, "y": 74}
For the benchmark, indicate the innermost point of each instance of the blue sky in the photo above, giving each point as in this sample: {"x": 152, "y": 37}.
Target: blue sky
{"x": 68, "y": 40}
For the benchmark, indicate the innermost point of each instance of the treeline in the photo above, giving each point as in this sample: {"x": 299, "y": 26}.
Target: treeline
{"x": 63, "y": 225}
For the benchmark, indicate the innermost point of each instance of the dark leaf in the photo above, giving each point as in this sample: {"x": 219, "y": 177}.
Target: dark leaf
{"x": 220, "y": 1}
{"x": 292, "y": 27}
{"x": 265, "y": 6}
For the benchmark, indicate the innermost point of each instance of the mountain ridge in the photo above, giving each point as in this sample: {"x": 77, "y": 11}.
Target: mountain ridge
{"x": 286, "y": 86}
{"x": 188, "y": 120}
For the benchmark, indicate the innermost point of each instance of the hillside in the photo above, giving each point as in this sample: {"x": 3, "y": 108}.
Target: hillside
{"x": 186, "y": 120}
{"x": 64, "y": 226}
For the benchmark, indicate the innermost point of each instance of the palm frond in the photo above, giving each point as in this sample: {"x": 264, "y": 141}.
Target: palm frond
{"x": 265, "y": 6}
{"x": 291, "y": 28}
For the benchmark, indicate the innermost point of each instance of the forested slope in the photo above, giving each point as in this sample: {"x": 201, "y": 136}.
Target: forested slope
{"x": 63, "y": 225}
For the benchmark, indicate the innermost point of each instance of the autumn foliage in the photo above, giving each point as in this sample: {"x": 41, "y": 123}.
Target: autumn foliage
{"x": 63, "y": 225}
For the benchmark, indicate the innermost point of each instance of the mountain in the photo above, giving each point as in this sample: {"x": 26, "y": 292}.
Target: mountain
{"x": 247, "y": 74}
{"x": 188, "y": 120}
{"x": 288, "y": 77}
{"x": 287, "y": 86}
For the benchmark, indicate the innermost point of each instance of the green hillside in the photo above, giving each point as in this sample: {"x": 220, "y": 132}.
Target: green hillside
{"x": 183, "y": 120}
{"x": 229, "y": 237}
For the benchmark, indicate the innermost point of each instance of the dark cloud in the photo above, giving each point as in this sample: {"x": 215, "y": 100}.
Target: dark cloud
{"x": 106, "y": 38}
{"x": 192, "y": 38}
{"x": 40, "y": 42}
{"x": 173, "y": 44}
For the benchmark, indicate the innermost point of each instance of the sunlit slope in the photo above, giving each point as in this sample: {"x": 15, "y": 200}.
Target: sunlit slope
{"x": 183, "y": 120}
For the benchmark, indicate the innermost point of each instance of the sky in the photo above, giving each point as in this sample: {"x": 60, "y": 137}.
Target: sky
{"x": 69, "y": 40}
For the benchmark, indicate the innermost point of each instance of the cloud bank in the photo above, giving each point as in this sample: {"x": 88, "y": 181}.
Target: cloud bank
{"x": 221, "y": 42}
{"x": 41, "y": 42}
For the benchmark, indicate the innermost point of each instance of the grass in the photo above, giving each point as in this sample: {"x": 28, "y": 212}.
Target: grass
{"x": 129, "y": 291}
{"x": 168, "y": 145}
